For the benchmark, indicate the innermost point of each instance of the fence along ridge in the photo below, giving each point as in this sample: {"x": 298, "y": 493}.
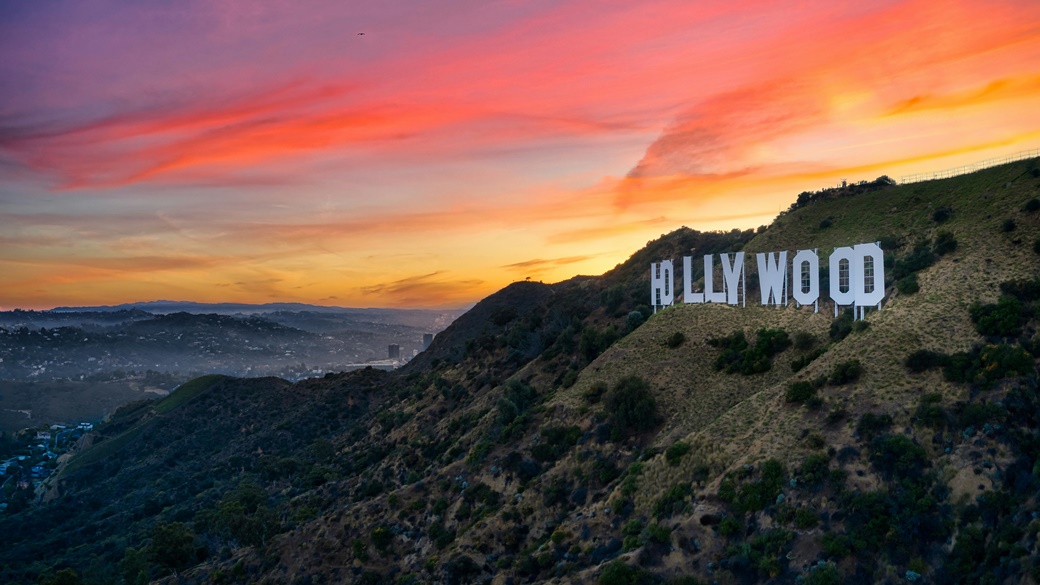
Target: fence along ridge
{"x": 963, "y": 170}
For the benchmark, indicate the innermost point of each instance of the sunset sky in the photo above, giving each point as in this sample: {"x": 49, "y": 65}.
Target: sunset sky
{"x": 245, "y": 151}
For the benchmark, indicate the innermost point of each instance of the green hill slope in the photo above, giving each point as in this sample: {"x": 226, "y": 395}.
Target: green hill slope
{"x": 563, "y": 433}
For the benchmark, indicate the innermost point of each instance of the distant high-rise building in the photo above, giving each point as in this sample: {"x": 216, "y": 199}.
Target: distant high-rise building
{"x": 427, "y": 339}
{"x": 395, "y": 351}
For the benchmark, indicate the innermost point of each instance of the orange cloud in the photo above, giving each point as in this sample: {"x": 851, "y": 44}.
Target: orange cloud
{"x": 426, "y": 290}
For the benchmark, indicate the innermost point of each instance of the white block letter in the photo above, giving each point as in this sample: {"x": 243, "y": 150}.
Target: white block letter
{"x": 870, "y": 286}
{"x": 732, "y": 273}
{"x": 772, "y": 277}
{"x": 843, "y": 263}
{"x": 806, "y": 277}
{"x": 661, "y": 284}
{"x": 709, "y": 283}
{"x": 688, "y": 295}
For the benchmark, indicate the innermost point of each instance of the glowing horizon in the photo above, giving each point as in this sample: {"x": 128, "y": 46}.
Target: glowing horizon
{"x": 230, "y": 152}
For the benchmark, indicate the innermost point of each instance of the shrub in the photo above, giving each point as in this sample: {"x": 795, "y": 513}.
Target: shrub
{"x": 944, "y": 243}
{"x": 799, "y": 392}
{"x": 800, "y": 362}
{"x": 729, "y": 526}
{"x": 739, "y": 356}
{"x": 1002, "y": 360}
{"x": 1009, "y": 225}
{"x": 908, "y": 285}
{"x": 824, "y": 575}
{"x": 173, "y": 546}
{"x": 618, "y": 573}
{"x": 657, "y": 534}
{"x": 593, "y": 342}
{"x": 922, "y": 360}
{"x": 1036, "y": 246}
{"x": 930, "y": 411}
{"x": 942, "y": 214}
{"x": 835, "y": 545}
{"x": 555, "y": 441}
{"x": 634, "y": 320}
{"x": 676, "y": 339}
{"x": 805, "y": 519}
{"x": 1022, "y": 289}
{"x": 675, "y": 453}
{"x": 871, "y": 425}
{"x": 898, "y": 456}
{"x": 381, "y": 537}
{"x": 673, "y": 501}
{"x": 841, "y": 326}
{"x": 826, "y": 223}
{"x": 804, "y": 340}
{"x": 612, "y": 298}
{"x": 595, "y": 392}
{"x": 631, "y": 406}
{"x": 845, "y": 372}
{"x": 920, "y": 258}
{"x": 1003, "y": 319}
{"x": 814, "y": 469}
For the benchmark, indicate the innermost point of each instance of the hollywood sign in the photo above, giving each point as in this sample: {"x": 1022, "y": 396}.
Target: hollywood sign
{"x": 857, "y": 279}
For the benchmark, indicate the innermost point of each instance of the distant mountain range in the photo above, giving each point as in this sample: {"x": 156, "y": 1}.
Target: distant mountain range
{"x": 163, "y": 306}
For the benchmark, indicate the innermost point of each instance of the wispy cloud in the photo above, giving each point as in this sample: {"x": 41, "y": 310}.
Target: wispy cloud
{"x": 424, "y": 290}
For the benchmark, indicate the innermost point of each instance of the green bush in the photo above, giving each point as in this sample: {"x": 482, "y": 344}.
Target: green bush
{"x": 676, "y": 339}
{"x": 920, "y": 258}
{"x": 634, "y": 320}
{"x": 841, "y": 326}
{"x": 673, "y": 501}
{"x": 805, "y": 519}
{"x": 835, "y": 546}
{"x": 173, "y": 546}
{"x": 739, "y": 356}
{"x": 942, "y": 214}
{"x": 798, "y": 363}
{"x": 1003, "y": 319}
{"x": 595, "y": 392}
{"x": 930, "y": 412}
{"x": 675, "y": 453}
{"x": 618, "y": 573}
{"x": 730, "y": 526}
{"x": 555, "y": 441}
{"x": 381, "y": 537}
{"x": 824, "y": 575}
{"x": 908, "y": 285}
{"x": 630, "y": 406}
{"x": 945, "y": 243}
{"x": 898, "y": 456}
{"x": 1008, "y": 226}
{"x": 593, "y": 341}
{"x": 1025, "y": 290}
{"x": 799, "y": 392}
{"x": 871, "y": 425}
{"x": 922, "y": 360}
{"x": 814, "y": 469}
{"x": 845, "y": 372}
{"x": 804, "y": 340}
{"x": 1036, "y": 246}
{"x": 1033, "y": 205}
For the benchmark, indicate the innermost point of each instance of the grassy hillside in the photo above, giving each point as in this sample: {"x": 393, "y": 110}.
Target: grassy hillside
{"x": 563, "y": 433}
